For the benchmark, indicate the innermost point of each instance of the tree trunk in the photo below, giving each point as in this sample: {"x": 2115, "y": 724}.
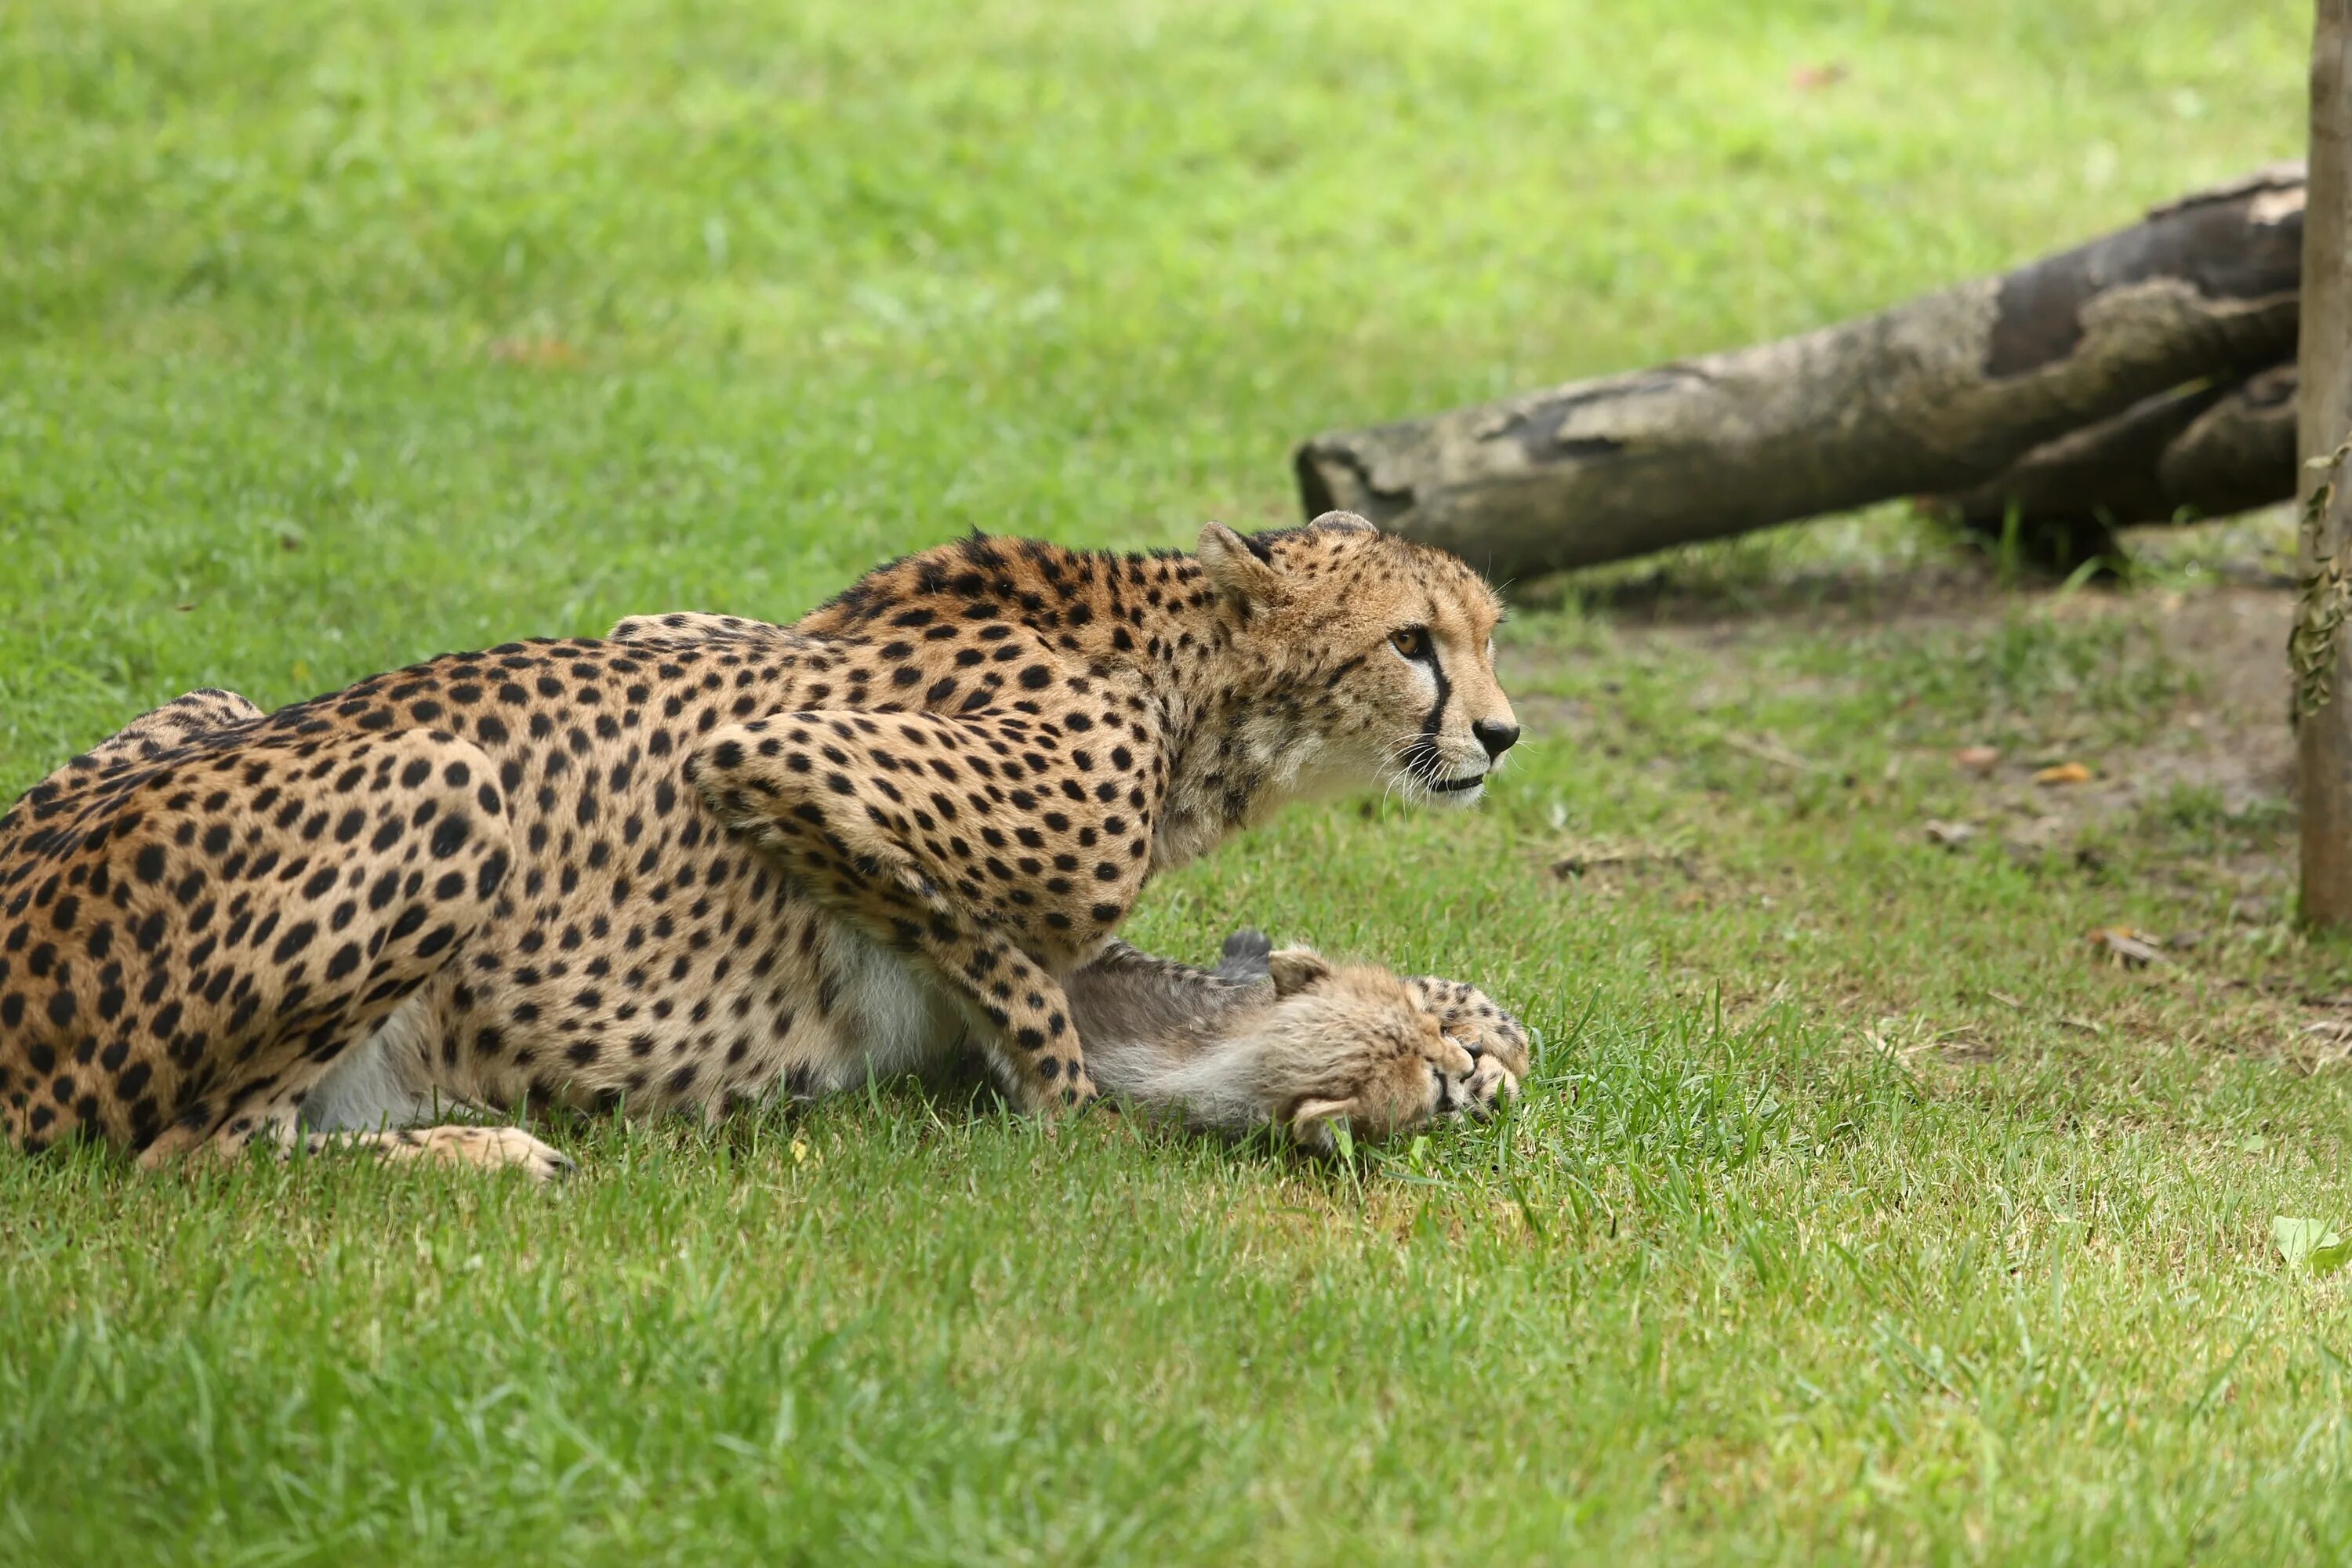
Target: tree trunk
{"x": 2201, "y": 450}
{"x": 2323, "y": 731}
{"x": 1932, "y": 396}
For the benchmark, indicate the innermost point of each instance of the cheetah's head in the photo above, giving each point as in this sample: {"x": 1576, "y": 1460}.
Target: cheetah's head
{"x": 1380, "y": 650}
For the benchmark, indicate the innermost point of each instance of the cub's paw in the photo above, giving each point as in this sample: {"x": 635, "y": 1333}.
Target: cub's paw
{"x": 1496, "y": 1042}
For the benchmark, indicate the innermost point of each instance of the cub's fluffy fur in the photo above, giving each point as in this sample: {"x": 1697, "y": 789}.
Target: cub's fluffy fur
{"x": 1288, "y": 1038}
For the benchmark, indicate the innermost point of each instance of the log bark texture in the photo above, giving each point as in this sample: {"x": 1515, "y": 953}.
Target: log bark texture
{"x": 2324, "y": 737}
{"x": 2239, "y": 454}
{"x": 1933, "y": 396}
{"x": 2201, "y": 450}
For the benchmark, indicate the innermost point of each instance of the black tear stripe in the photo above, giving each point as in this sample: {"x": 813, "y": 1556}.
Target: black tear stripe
{"x": 1421, "y": 758}
{"x": 1429, "y": 726}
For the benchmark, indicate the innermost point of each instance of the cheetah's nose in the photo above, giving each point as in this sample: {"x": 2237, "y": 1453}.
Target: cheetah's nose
{"x": 1497, "y": 737}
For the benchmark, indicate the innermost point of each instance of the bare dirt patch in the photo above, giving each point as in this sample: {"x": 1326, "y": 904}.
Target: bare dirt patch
{"x": 2163, "y": 797}
{"x": 2230, "y": 736}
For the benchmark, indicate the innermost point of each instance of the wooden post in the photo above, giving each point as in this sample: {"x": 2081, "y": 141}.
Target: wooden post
{"x": 2324, "y": 416}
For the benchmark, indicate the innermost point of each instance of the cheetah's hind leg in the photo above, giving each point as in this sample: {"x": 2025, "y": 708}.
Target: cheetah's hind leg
{"x": 488, "y": 1147}
{"x": 150, "y": 739}
{"x": 383, "y": 1097}
{"x": 187, "y": 947}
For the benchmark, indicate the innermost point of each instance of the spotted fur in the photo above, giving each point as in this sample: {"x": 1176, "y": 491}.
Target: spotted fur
{"x": 706, "y": 860}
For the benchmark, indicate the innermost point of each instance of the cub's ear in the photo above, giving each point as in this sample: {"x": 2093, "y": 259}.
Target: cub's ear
{"x": 1296, "y": 968}
{"x": 1311, "y": 1121}
{"x": 1235, "y": 568}
{"x": 1343, "y": 522}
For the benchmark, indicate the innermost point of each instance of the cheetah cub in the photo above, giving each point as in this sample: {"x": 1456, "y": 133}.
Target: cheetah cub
{"x": 1289, "y": 1040}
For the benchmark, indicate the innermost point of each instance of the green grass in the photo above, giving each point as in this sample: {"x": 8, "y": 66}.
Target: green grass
{"x": 1853, "y": 1214}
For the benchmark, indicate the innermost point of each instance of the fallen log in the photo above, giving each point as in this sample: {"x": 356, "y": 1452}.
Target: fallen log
{"x": 1930, "y": 397}
{"x": 2239, "y": 454}
{"x": 2198, "y": 451}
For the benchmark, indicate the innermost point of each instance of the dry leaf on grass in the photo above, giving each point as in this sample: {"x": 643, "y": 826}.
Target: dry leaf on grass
{"x": 2064, "y": 774}
{"x": 1977, "y": 758}
{"x": 2133, "y": 948}
{"x": 1813, "y": 79}
{"x": 1953, "y": 835}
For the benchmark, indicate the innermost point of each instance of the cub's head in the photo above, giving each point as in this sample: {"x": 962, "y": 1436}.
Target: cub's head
{"x": 1347, "y": 1043}
{"x": 1379, "y": 650}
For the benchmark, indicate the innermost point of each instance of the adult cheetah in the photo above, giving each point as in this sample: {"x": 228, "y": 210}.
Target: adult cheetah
{"x": 707, "y": 859}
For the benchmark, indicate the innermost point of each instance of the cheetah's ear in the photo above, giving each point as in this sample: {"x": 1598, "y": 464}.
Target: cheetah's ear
{"x": 1296, "y": 968}
{"x": 1238, "y": 567}
{"x": 1343, "y": 522}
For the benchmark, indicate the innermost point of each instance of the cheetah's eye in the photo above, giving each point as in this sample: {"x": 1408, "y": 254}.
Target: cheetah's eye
{"x": 1410, "y": 641}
